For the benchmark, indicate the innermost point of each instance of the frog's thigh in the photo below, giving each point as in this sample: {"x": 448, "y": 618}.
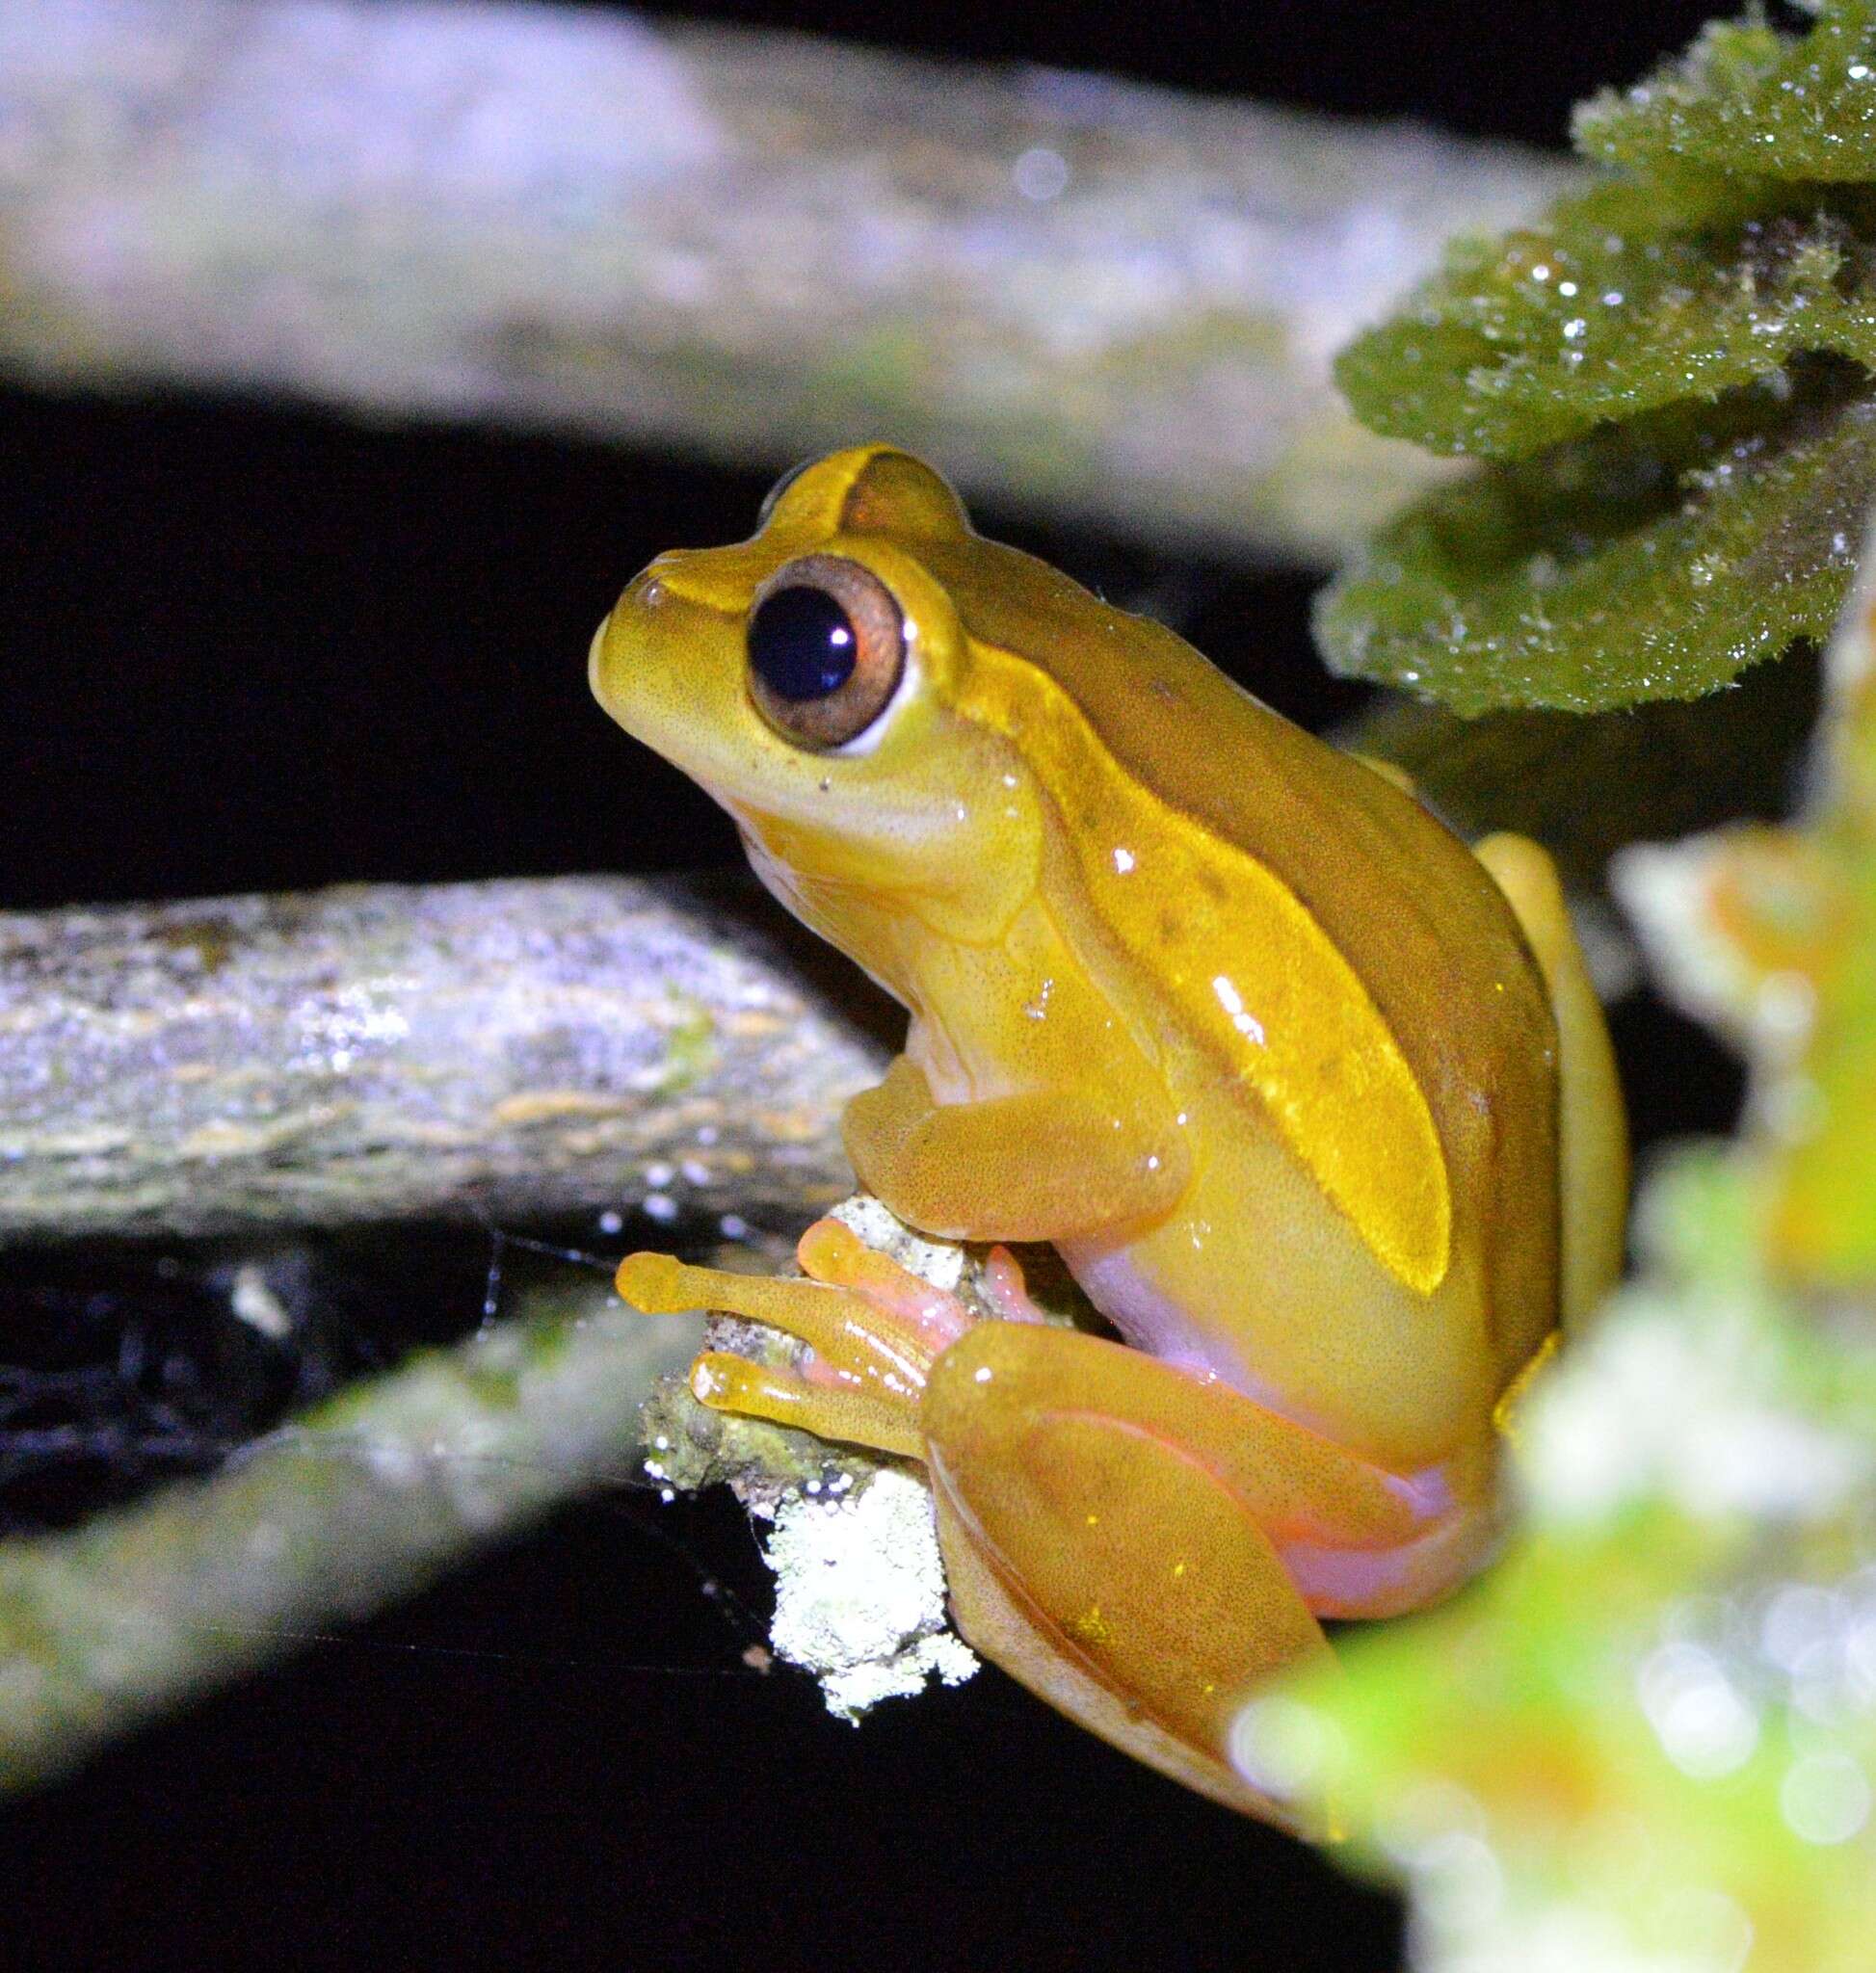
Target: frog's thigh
{"x": 1592, "y": 1129}
{"x": 1099, "y": 1558}
{"x": 1046, "y": 1165}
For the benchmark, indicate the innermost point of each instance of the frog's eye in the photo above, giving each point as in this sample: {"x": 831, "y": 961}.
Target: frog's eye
{"x": 826, "y": 648}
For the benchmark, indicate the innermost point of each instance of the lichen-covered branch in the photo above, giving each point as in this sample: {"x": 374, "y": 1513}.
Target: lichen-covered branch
{"x": 1083, "y": 297}
{"x": 519, "y": 1048}
{"x": 367, "y": 1498}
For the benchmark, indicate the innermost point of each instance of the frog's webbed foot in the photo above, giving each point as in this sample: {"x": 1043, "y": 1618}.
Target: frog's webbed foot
{"x": 873, "y": 1328}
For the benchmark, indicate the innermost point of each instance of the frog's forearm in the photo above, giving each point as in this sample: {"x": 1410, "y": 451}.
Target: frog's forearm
{"x": 1044, "y": 1165}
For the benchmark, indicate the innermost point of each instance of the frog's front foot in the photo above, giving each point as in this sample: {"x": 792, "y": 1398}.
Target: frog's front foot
{"x": 873, "y": 1329}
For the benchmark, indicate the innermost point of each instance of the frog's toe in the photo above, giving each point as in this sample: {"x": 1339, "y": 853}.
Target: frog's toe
{"x": 1005, "y": 1289}
{"x": 873, "y": 1328}
{"x": 926, "y": 1317}
{"x": 728, "y": 1382}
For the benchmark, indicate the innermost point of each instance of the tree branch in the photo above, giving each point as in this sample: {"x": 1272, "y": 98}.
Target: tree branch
{"x": 1086, "y": 298}
{"x": 519, "y": 1048}
{"x": 369, "y": 1497}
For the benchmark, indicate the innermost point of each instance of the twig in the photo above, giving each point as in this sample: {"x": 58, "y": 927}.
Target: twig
{"x": 366, "y": 1499}
{"x": 1085, "y": 297}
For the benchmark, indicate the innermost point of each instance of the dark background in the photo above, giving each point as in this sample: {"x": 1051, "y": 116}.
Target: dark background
{"x": 251, "y": 648}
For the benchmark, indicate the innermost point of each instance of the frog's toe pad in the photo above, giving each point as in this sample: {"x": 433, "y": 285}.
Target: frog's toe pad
{"x": 656, "y": 1283}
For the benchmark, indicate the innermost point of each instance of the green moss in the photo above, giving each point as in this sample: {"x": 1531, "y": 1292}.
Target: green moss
{"x": 1668, "y": 384}
{"x": 1646, "y": 561}
{"x": 1800, "y": 107}
{"x": 690, "y": 1046}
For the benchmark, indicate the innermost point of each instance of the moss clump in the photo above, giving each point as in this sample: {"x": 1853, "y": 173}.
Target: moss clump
{"x": 1668, "y": 384}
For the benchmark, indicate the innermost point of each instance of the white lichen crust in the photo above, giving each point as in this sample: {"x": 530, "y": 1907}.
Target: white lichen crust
{"x": 860, "y": 1593}
{"x": 848, "y": 1532}
{"x": 859, "y": 1582}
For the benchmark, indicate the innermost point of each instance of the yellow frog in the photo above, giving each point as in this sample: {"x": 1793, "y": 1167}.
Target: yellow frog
{"x": 1315, "y": 1102}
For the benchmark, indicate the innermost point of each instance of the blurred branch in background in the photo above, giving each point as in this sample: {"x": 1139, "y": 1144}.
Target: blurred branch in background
{"x": 1085, "y": 297}
{"x": 367, "y": 1498}
{"x": 517, "y": 1048}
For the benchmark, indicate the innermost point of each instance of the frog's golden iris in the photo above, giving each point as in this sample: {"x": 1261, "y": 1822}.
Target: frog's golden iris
{"x": 1316, "y": 1101}
{"x": 827, "y": 649}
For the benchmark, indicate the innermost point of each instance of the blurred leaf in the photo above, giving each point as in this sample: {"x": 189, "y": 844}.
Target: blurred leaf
{"x": 1774, "y": 932}
{"x": 1648, "y": 1740}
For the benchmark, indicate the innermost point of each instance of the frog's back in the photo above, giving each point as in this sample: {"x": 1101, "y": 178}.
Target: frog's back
{"x": 1420, "y": 1082}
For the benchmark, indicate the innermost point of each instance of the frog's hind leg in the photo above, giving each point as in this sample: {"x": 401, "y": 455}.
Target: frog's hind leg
{"x": 1125, "y": 1539}
{"x": 1594, "y": 1132}
{"x": 1116, "y": 1532}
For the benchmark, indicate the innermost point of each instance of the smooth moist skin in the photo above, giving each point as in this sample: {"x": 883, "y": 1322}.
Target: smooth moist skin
{"x": 1316, "y": 1101}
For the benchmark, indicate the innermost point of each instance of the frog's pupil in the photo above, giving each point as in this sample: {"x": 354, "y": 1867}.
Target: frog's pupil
{"x": 801, "y": 643}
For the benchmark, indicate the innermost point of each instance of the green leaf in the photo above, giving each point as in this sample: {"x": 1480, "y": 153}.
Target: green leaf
{"x": 1607, "y": 312}
{"x": 1644, "y": 563}
{"x": 1669, "y": 380}
{"x": 1746, "y": 98}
